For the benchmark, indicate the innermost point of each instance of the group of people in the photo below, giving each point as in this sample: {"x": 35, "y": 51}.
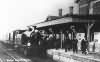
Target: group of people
{"x": 38, "y": 39}
{"x": 73, "y": 45}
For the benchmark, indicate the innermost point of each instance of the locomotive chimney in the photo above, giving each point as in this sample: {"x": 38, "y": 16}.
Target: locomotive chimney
{"x": 60, "y": 12}
{"x": 71, "y": 10}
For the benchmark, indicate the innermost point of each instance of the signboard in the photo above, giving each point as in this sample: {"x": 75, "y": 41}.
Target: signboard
{"x": 97, "y": 44}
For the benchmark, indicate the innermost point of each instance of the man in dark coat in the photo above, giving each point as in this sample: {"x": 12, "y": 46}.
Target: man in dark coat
{"x": 84, "y": 46}
{"x": 68, "y": 45}
{"x": 74, "y": 45}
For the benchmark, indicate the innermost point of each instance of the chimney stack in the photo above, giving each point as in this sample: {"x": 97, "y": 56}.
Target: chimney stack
{"x": 60, "y": 12}
{"x": 71, "y": 10}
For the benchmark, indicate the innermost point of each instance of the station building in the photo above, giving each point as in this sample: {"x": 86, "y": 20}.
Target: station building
{"x": 89, "y": 11}
{"x": 83, "y": 19}
{"x": 81, "y": 22}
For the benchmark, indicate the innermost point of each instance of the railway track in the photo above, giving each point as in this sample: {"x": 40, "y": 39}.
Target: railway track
{"x": 8, "y": 55}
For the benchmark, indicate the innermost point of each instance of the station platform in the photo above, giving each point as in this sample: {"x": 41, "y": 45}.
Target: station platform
{"x": 62, "y": 56}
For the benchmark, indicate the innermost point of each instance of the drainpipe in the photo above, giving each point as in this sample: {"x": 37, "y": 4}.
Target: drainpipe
{"x": 61, "y": 34}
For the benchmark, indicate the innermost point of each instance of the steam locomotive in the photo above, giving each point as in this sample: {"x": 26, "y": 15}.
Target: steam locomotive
{"x": 33, "y": 42}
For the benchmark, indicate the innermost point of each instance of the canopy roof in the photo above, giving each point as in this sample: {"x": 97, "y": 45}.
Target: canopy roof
{"x": 19, "y": 31}
{"x": 54, "y": 22}
{"x": 70, "y": 18}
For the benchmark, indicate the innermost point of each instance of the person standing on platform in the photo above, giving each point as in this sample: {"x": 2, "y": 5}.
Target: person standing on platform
{"x": 84, "y": 46}
{"x": 74, "y": 45}
{"x": 68, "y": 45}
{"x": 94, "y": 45}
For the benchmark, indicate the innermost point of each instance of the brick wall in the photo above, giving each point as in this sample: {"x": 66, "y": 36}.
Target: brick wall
{"x": 83, "y": 7}
{"x": 96, "y": 8}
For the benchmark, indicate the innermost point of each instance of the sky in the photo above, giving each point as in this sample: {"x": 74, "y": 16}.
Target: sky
{"x": 16, "y": 14}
